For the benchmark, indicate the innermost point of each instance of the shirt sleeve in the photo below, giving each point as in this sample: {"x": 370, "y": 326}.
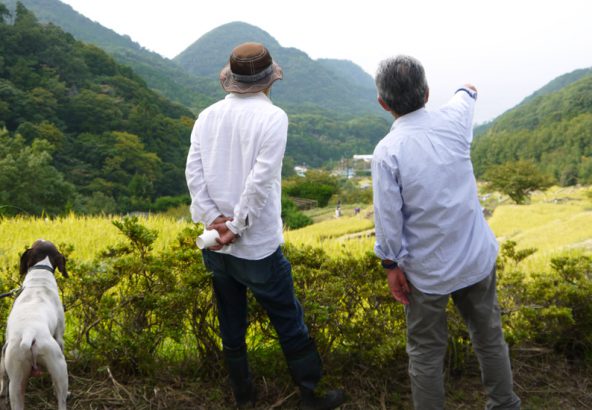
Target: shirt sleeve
{"x": 388, "y": 214}
{"x": 203, "y": 209}
{"x": 263, "y": 175}
{"x": 460, "y": 109}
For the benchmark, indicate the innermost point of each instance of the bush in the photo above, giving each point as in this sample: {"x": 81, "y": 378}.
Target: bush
{"x": 317, "y": 185}
{"x": 164, "y": 203}
{"x": 136, "y": 310}
{"x": 551, "y": 309}
{"x": 291, "y": 215}
{"x": 516, "y": 179}
{"x": 128, "y": 305}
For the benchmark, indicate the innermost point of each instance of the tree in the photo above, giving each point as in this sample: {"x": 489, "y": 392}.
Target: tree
{"x": 317, "y": 185}
{"x": 4, "y": 13}
{"x": 516, "y": 179}
{"x": 29, "y": 181}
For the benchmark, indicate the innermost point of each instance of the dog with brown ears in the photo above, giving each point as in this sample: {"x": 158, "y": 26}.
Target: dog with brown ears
{"x": 35, "y": 327}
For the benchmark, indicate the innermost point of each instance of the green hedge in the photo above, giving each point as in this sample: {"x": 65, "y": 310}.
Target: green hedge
{"x": 135, "y": 309}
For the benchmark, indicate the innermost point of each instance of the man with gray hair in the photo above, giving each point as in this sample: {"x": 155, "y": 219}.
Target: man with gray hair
{"x": 431, "y": 235}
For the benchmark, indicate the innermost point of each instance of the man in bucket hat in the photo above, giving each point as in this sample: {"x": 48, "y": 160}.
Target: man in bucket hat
{"x": 234, "y": 177}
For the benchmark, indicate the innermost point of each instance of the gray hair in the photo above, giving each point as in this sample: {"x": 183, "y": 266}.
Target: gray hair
{"x": 402, "y": 84}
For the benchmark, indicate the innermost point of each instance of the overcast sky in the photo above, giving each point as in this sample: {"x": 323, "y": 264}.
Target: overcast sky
{"x": 507, "y": 48}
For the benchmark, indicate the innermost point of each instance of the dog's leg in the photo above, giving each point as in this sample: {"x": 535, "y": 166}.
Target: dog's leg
{"x": 60, "y": 329}
{"x": 16, "y": 390}
{"x": 3, "y": 378}
{"x": 57, "y": 368}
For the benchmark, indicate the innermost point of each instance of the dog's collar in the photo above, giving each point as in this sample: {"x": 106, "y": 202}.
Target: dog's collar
{"x": 42, "y": 267}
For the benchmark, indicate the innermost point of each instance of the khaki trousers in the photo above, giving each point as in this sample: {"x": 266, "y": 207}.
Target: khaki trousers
{"x": 427, "y": 336}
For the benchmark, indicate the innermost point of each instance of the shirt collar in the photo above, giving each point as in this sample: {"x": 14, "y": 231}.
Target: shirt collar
{"x": 410, "y": 117}
{"x": 259, "y": 96}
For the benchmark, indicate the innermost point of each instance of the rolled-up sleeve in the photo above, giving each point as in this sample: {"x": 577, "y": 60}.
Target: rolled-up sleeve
{"x": 388, "y": 215}
{"x": 203, "y": 209}
{"x": 265, "y": 173}
{"x": 461, "y": 109}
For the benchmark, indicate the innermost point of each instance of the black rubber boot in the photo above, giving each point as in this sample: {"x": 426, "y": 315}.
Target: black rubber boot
{"x": 330, "y": 400}
{"x": 240, "y": 377}
{"x": 306, "y": 369}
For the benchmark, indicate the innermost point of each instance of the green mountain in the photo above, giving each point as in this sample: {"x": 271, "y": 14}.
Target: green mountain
{"x": 308, "y": 85}
{"x": 327, "y": 100}
{"x": 80, "y": 131}
{"x": 159, "y": 73}
{"x": 555, "y": 85}
{"x": 349, "y": 72}
{"x": 558, "y": 83}
{"x": 552, "y": 127}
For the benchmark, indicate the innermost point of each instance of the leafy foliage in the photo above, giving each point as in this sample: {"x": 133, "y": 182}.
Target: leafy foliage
{"x": 85, "y": 104}
{"x": 553, "y": 129}
{"x": 109, "y": 141}
{"x": 30, "y": 183}
{"x": 136, "y": 310}
{"x": 291, "y": 216}
{"x": 317, "y": 185}
{"x": 549, "y": 309}
{"x": 516, "y": 179}
{"x": 159, "y": 73}
{"x": 315, "y": 139}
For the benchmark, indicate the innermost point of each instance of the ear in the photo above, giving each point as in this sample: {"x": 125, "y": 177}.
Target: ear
{"x": 25, "y": 262}
{"x": 384, "y": 104}
{"x": 427, "y": 95}
{"x": 61, "y": 264}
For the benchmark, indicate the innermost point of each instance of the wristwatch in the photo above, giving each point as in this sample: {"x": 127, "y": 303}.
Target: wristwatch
{"x": 388, "y": 264}
{"x": 472, "y": 94}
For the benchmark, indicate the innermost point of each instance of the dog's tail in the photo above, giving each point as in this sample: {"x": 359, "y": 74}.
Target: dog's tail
{"x": 28, "y": 339}
{"x": 28, "y": 343}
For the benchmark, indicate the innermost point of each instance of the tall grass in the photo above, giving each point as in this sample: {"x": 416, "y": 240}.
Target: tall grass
{"x": 558, "y": 221}
{"x": 350, "y": 234}
{"x": 87, "y": 234}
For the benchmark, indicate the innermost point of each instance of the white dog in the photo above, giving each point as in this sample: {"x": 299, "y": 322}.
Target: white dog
{"x": 35, "y": 328}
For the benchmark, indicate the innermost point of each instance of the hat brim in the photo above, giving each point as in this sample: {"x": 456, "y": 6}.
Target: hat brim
{"x": 231, "y": 85}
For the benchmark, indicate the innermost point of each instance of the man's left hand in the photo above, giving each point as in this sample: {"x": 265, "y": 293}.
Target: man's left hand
{"x": 397, "y": 282}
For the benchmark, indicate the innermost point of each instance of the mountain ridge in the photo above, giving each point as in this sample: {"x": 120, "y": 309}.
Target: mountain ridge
{"x": 552, "y": 128}
{"x": 306, "y": 82}
{"x": 197, "y": 89}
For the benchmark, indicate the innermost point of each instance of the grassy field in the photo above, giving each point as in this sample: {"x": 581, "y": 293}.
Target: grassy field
{"x": 88, "y": 235}
{"x": 557, "y": 221}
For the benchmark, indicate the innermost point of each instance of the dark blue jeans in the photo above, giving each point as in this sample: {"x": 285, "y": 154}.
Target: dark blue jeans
{"x": 270, "y": 281}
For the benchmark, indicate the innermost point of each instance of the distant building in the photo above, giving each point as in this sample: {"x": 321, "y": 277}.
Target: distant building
{"x": 300, "y": 170}
{"x": 365, "y": 158}
{"x": 344, "y": 172}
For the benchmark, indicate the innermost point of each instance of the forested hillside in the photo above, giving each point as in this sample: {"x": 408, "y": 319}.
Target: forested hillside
{"x": 159, "y": 73}
{"x": 79, "y": 131}
{"x": 552, "y": 128}
{"x": 329, "y": 101}
{"x": 307, "y": 85}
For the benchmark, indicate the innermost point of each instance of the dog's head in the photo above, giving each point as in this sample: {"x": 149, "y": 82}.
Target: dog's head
{"x": 39, "y": 251}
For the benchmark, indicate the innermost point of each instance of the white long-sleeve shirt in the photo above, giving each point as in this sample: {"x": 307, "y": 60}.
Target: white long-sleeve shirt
{"x": 427, "y": 214}
{"x": 234, "y": 169}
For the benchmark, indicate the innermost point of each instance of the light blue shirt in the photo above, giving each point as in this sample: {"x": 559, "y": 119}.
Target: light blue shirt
{"x": 427, "y": 214}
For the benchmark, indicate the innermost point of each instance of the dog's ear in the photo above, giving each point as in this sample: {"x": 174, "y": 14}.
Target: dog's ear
{"x": 25, "y": 262}
{"x": 61, "y": 264}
